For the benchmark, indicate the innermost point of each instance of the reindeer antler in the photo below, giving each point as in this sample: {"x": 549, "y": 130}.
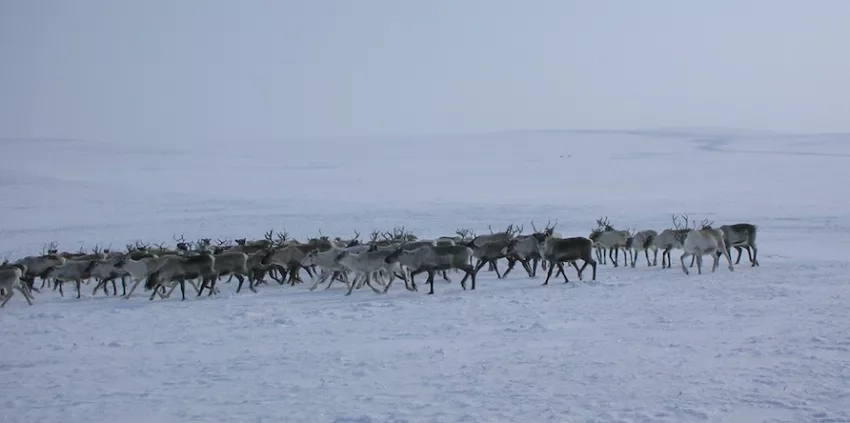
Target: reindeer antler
{"x": 268, "y": 235}
{"x": 687, "y": 221}
{"x": 281, "y": 237}
{"x": 705, "y": 224}
{"x": 356, "y": 235}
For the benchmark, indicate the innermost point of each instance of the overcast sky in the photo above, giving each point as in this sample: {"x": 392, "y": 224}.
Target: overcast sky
{"x": 131, "y": 70}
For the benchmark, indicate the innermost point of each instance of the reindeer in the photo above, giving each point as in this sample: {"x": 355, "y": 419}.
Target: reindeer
{"x": 364, "y": 265}
{"x": 181, "y": 269}
{"x": 606, "y": 237}
{"x": 705, "y": 240}
{"x": 431, "y": 259}
{"x": 288, "y": 258}
{"x": 525, "y": 249}
{"x": 137, "y": 264}
{"x": 75, "y": 270}
{"x": 477, "y": 241}
{"x": 105, "y": 271}
{"x": 233, "y": 263}
{"x": 10, "y": 280}
{"x": 183, "y": 246}
{"x": 331, "y": 268}
{"x": 557, "y": 251}
{"x": 671, "y": 239}
{"x": 489, "y": 252}
{"x": 741, "y": 235}
{"x": 39, "y": 266}
{"x": 643, "y": 241}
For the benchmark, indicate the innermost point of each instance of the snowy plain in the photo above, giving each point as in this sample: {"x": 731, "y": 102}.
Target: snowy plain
{"x": 764, "y": 344}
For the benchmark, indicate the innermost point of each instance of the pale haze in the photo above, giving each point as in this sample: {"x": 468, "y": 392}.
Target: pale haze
{"x": 137, "y": 71}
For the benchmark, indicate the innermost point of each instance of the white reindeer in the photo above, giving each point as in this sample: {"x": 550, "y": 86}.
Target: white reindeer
{"x": 606, "y": 237}
{"x": 365, "y": 265}
{"x": 643, "y": 241}
{"x": 705, "y": 240}
{"x": 10, "y": 280}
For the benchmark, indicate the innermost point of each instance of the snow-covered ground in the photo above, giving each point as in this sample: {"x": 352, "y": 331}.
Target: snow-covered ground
{"x": 769, "y": 343}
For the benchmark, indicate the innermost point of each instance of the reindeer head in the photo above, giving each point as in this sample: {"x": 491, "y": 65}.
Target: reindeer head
{"x": 685, "y": 225}
{"x": 182, "y": 245}
{"x": 602, "y": 224}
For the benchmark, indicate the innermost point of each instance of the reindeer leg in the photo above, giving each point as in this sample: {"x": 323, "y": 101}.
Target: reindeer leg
{"x": 495, "y": 264}
{"x": 739, "y": 250}
{"x": 309, "y": 272}
{"x": 552, "y": 267}
{"x": 323, "y": 278}
{"x": 77, "y": 283}
{"x": 251, "y": 285}
{"x": 213, "y": 281}
{"x": 8, "y": 297}
{"x": 682, "y": 261}
{"x": 614, "y": 261}
{"x": 755, "y": 260}
{"x": 575, "y": 266}
{"x": 23, "y": 292}
{"x": 351, "y": 286}
{"x": 183, "y": 289}
{"x": 655, "y": 257}
{"x": 715, "y": 263}
{"x": 561, "y": 267}
{"x": 155, "y": 291}
{"x": 527, "y": 266}
{"x": 699, "y": 263}
{"x": 430, "y": 282}
{"x": 168, "y": 294}
{"x": 376, "y": 290}
{"x": 478, "y": 267}
{"x": 96, "y": 287}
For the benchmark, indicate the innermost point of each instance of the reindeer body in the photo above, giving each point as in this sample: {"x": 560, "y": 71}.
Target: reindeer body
{"x": 10, "y": 280}
{"x": 180, "y": 269}
{"x": 741, "y": 235}
{"x": 432, "y": 259}
{"x": 557, "y": 251}
{"x": 643, "y": 241}
{"x": 72, "y": 271}
{"x": 704, "y": 241}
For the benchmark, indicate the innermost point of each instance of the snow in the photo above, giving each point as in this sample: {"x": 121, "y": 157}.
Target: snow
{"x": 768, "y": 343}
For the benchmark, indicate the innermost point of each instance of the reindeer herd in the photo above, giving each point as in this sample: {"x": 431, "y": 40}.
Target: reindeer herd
{"x": 376, "y": 263}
